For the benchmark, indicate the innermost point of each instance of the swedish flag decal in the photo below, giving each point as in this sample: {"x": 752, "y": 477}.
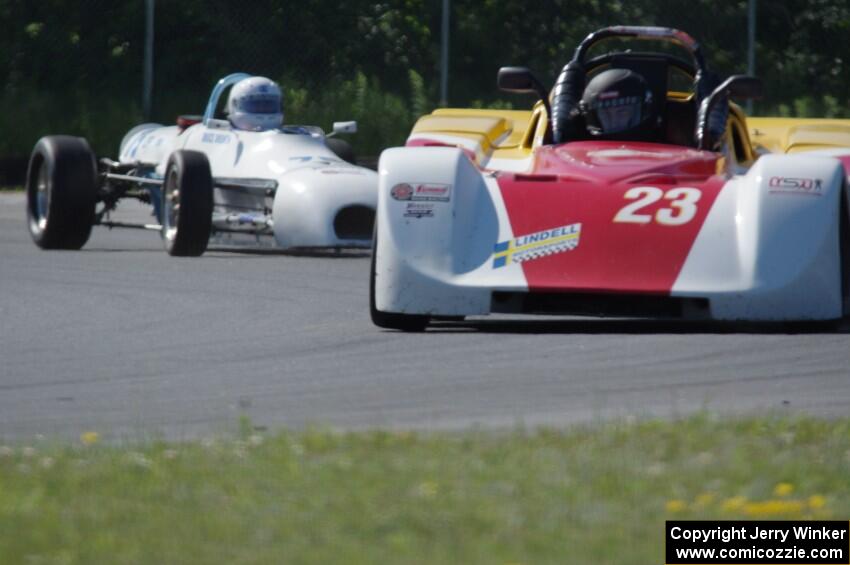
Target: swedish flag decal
{"x": 502, "y": 252}
{"x": 535, "y": 245}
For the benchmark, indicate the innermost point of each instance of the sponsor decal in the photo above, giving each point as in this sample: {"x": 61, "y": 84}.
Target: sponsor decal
{"x": 217, "y": 138}
{"x": 418, "y": 210}
{"x": 536, "y": 245}
{"x": 402, "y": 191}
{"x": 792, "y": 185}
{"x": 612, "y": 102}
{"x": 432, "y": 192}
{"x": 423, "y": 192}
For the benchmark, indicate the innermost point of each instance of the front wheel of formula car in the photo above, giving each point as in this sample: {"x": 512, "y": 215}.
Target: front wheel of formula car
{"x": 61, "y": 192}
{"x": 342, "y": 149}
{"x": 187, "y": 204}
{"x": 390, "y": 320}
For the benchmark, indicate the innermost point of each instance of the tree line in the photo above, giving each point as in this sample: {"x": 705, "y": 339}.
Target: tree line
{"x": 76, "y": 66}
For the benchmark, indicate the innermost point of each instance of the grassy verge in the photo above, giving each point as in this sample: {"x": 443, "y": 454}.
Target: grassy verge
{"x": 584, "y": 495}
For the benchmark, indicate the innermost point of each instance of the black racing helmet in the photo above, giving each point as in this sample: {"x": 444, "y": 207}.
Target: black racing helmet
{"x": 616, "y": 101}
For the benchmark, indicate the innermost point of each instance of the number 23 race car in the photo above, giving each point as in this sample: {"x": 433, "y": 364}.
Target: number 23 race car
{"x": 249, "y": 181}
{"x": 633, "y": 190}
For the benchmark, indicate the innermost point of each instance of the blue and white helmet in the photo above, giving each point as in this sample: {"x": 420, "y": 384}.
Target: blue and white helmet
{"x": 255, "y": 104}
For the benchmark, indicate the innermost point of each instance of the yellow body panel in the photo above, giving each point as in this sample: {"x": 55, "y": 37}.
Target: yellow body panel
{"x": 498, "y": 131}
{"x": 512, "y": 134}
{"x": 793, "y": 135}
{"x": 514, "y": 121}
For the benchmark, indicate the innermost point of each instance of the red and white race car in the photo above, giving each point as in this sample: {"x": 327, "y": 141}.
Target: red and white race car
{"x": 632, "y": 190}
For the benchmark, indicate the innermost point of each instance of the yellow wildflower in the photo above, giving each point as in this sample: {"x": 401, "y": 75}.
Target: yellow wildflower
{"x": 733, "y": 504}
{"x": 90, "y": 438}
{"x": 783, "y": 489}
{"x": 675, "y": 505}
{"x": 817, "y": 502}
{"x": 703, "y": 500}
{"x": 773, "y": 507}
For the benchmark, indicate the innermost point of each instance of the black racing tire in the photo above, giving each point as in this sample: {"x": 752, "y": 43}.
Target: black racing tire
{"x": 187, "y": 204}
{"x": 389, "y": 320}
{"x": 61, "y": 192}
{"x": 341, "y": 149}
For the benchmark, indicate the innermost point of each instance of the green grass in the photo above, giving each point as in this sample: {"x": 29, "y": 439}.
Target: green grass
{"x": 597, "y": 494}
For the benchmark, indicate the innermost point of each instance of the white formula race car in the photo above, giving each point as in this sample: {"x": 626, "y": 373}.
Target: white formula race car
{"x": 290, "y": 187}
{"x": 533, "y": 212}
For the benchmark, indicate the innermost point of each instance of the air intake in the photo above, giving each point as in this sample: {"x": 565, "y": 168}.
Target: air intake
{"x": 354, "y": 222}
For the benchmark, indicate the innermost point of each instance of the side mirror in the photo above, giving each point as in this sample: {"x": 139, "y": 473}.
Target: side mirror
{"x": 522, "y": 81}
{"x": 517, "y": 79}
{"x": 737, "y": 86}
{"x": 344, "y": 127}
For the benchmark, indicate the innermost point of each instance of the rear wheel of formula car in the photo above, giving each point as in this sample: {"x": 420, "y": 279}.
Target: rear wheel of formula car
{"x": 187, "y": 204}
{"x": 341, "y": 149}
{"x": 389, "y": 320}
{"x": 61, "y": 192}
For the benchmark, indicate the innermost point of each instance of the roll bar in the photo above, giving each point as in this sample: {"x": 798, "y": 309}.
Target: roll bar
{"x": 642, "y": 32}
{"x": 229, "y": 80}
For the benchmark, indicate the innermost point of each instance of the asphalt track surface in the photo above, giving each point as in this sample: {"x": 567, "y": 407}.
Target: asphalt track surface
{"x": 122, "y": 339}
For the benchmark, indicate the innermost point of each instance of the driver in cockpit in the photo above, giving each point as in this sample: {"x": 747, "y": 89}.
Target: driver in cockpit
{"x": 617, "y": 104}
{"x": 255, "y": 104}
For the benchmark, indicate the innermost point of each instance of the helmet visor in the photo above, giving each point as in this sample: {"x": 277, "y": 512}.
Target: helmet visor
{"x": 619, "y": 114}
{"x": 260, "y": 105}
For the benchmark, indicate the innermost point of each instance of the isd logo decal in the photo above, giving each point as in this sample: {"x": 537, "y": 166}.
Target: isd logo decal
{"x": 535, "y": 245}
{"x": 788, "y": 185}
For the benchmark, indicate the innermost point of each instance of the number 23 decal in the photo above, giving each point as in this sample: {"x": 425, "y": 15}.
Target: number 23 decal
{"x": 683, "y": 205}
